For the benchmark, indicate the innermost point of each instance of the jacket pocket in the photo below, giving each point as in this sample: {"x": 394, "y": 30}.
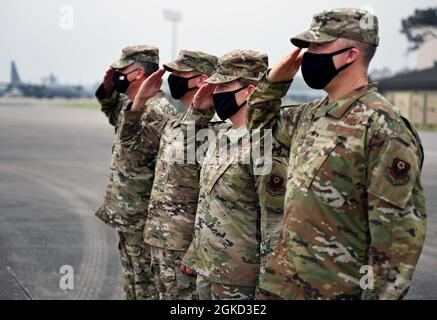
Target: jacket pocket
{"x": 222, "y": 169}
{"x": 312, "y": 165}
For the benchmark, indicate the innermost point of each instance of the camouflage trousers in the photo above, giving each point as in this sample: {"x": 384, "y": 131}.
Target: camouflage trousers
{"x": 208, "y": 290}
{"x": 169, "y": 281}
{"x": 135, "y": 267}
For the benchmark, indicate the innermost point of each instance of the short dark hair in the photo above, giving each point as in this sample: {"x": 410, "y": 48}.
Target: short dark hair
{"x": 246, "y": 82}
{"x": 149, "y": 67}
{"x": 367, "y": 50}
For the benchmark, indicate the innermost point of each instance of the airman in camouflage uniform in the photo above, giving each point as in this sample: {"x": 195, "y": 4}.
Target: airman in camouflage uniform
{"x": 169, "y": 225}
{"x": 354, "y": 223}
{"x": 130, "y": 181}
{"x": 239, "y": 212}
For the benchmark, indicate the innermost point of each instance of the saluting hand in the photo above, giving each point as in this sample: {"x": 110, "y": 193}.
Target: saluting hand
{"x": 148, "y": 89}
{"x": 203, "y": 98}
{"x": 287, "y": 67}
{"x": 107, "y": 81}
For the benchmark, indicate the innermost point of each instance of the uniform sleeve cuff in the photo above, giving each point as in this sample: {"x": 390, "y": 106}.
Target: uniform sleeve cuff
{"x": 277, "y": 89}
{"x": 199, "y": 117}
{"x": 131, "y": 124}
{"x": 102, "y": 95}
{"x": 132, "y": 116}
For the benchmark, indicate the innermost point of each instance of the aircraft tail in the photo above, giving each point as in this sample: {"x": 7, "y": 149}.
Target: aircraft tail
{"x": 15, "y": 78}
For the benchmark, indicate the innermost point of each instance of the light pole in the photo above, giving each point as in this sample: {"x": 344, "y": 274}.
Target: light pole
{"x": 174, "y": 17}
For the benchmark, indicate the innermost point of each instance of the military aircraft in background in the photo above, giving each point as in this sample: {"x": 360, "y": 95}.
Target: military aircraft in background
{"x": 49, "y": 89}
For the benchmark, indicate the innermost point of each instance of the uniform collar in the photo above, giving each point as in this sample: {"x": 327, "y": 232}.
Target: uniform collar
{"x": 237, "y": 132}
{"x": 338, "y": 108}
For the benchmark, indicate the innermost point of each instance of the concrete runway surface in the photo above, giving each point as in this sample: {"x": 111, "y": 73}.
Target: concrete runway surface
{"x": 53, "y": 169}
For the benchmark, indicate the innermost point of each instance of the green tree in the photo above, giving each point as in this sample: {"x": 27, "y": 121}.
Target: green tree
{"x": 420, "y": 27}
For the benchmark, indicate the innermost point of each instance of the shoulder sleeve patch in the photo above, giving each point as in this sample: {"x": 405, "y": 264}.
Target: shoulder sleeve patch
{"x": 275, "y": 185}
{"x": 398, "y": 171}
{"x": 394, "y": 176}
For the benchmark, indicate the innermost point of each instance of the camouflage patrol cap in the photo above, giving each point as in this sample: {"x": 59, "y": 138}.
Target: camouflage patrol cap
{"x": 348, "y": 23}
{"x": 138, "y": 53}
{"x": 193, "y": 61}
{"x": 240, "y": 64}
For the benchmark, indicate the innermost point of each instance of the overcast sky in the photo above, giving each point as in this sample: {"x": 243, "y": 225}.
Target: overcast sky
{"x": 37, "y": 36}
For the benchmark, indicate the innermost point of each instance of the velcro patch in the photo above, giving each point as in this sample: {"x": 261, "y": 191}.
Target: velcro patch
{"x": 398, "y": 171}
{"x": 275, "y": 186}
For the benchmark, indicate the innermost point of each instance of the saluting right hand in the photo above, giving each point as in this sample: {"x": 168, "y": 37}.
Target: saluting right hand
{"x": 151, "y": 85}
{"x": 148, "y": 89}
{"x": 287, "y": 67}
{"x": 107, "y": 81}
{"x": 203, "y": 98}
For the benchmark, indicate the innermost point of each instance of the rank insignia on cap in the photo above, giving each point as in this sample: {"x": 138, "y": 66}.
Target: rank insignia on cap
{"x": 275, "y": 186}
{"x": 398, "y": 172}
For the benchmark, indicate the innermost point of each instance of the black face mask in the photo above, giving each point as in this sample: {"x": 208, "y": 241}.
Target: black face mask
{"x": 225, "y": 103}
{"x": 179, "y": 85}
{"x": 120, "y": 81}
{"x": 318, "y": 69}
